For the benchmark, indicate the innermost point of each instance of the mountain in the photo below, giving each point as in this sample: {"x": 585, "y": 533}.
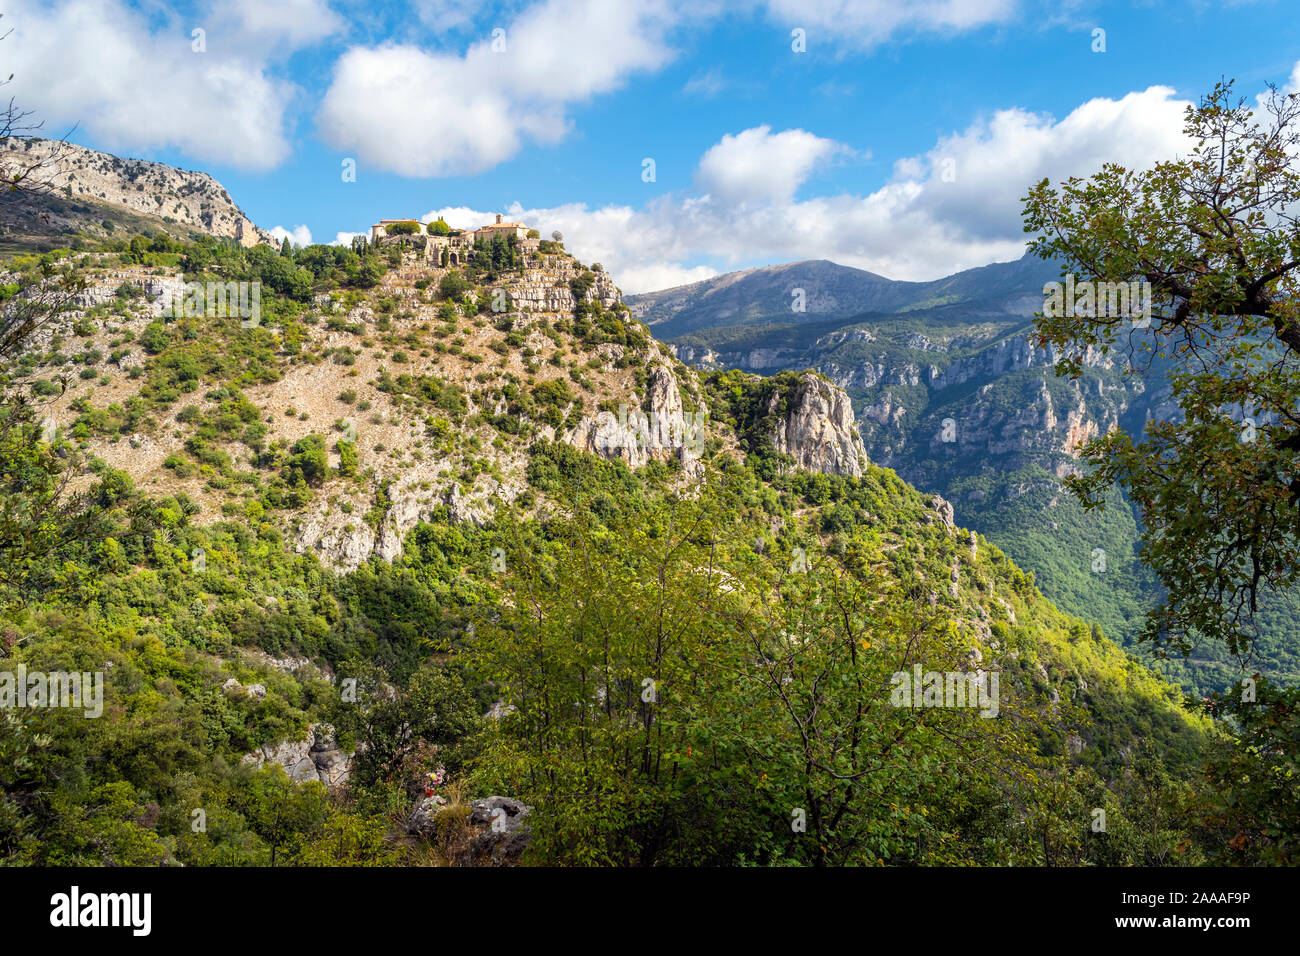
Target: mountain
{"x": 828, "y": 291}
{"x": 383, "y": 473}
{"x": 82, "y": 195}
{"x": 951, "y": 390}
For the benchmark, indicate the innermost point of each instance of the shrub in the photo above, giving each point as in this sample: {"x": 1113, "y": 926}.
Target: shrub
{"x": 154, "y": 338}
{"x": 308, "y": 461}
{"x": 453, "y": 285}
{"x": 347, "y": 458}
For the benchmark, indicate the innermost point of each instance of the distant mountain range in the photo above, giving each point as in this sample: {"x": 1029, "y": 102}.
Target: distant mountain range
{"x": 831, "y": 291}
{"x": 950, "y": 390}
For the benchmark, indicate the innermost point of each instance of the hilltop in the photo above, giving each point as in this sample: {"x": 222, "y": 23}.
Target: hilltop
{"x": 831, "y": 291}
{"x": 81, "y": 196}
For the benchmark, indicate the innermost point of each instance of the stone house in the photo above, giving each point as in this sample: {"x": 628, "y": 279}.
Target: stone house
{"x": 457, "y": 245}
{"x": 507, "y": 229}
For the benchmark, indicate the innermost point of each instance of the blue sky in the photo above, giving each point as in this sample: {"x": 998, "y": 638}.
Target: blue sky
{"x": 899, "y": 140}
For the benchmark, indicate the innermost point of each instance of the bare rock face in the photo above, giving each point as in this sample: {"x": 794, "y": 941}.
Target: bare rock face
{"x": 547, "y": 289}
{"x": 819, "y": 430}
{"x": 943, "y": 512}
{"x": 345, "y": 542}
{"x": 423, "y": 820}
{"x": 1039, "y": 426}
{"x": 656, "y": 429}
{"x": 153, "y": 189}
{"x": 318, "y": 757}
{"x": 339, "y": 543}
{"x": 1010, "y": 355}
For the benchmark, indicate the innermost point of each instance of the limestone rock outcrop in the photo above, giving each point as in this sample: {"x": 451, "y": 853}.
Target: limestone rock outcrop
{"x": 153, "y": 189}
{"x": 423, "y": 820}
{"x": 656, "y": 428}
{"x": 503, "y": 832}
{"x": 318, "y": 757}
{"x": 818, "y": 429}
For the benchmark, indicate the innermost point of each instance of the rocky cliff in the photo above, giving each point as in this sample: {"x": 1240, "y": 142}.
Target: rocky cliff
{"x": 96, "y": 195}
{"x": 814, "y": 425}
{"x": 654, "y": 428}
{"x": 960, "y": 400}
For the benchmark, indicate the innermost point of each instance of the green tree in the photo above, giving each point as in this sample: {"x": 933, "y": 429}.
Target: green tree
{"x": 679, "y": 698}
{"x": 434, "y": 714}
{"x": 1249, "y": 804}
{"x": 347, "y": 458}
{"x": 308, "y": 460}
{"x": 154, "y": 338}
{"x": 453, "y": 285}
{"x": 1214, "y": 234}
{"x": 282, "y": 812}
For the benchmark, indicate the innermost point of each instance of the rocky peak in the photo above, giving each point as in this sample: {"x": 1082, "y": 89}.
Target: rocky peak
{"x": 817, "y": 428}
{"x": 78, "y": 178}
{"x": 657, "y": 428}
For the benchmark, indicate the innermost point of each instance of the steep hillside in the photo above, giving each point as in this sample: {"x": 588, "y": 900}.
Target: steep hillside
{"x": 397, "y": 474}
{"x": 81, "y": 193}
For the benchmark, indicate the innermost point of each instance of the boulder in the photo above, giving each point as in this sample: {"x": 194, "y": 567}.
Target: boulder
{"x": 503, "y": 833}
{"x": 422, "y": 820}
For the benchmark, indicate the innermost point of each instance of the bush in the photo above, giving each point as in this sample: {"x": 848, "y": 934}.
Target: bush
{"x": 453, "y": 285}
{"x": 154, "y": 338}
{"x": 308, "y": 461}
{"x": 347, "y": 459}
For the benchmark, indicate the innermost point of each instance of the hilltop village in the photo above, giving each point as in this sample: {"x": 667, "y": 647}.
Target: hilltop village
{"x": 442, "y": 245}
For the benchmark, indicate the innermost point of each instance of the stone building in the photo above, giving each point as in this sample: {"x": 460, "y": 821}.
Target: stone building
{"x": 457, "y": 245}
{"x": 507, "y": 229}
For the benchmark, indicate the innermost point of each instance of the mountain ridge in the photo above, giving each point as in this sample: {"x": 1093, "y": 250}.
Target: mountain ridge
{"x": 75, "y": 192}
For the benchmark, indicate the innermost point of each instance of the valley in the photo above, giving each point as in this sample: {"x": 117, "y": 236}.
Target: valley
{"x": 960, "y": 400}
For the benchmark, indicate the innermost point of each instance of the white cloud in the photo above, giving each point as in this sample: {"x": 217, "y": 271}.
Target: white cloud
{"x": 291, "y": 24}
{"x": 126, "y": 74}
{"x": 401, "y": 109}
{"x": 757, "y": 165}
{"x": 916, "y": 226}
{"x": 447, "y": 15}
{"x": 993, "y": 162}
{"x": 867, "y": 23}
{"x": 98, "y": 64}
{"x": 661, "y": 275}
{"x": 298, "y": 235}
